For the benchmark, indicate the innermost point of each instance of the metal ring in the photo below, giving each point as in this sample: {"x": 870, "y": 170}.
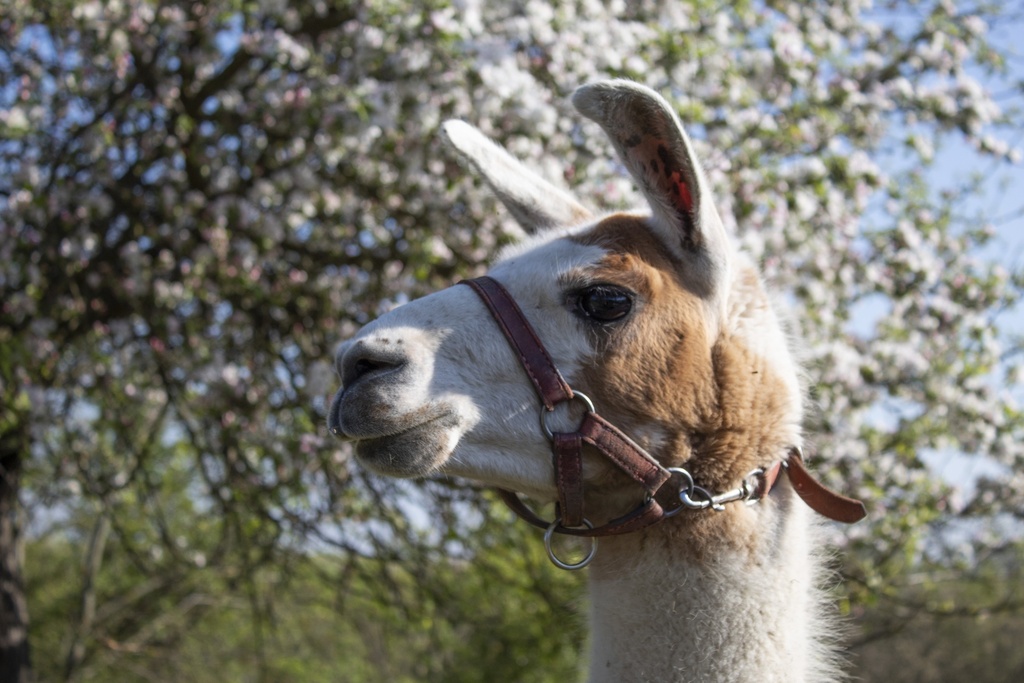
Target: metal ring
{"x": 546, "y": 414}
{"x": 669, "y": 514}
{"x": 549, "y": 534}
{"x": 688, "y": 480}
{"x": 685, "y": 475}
{"x": 754, "y": 474}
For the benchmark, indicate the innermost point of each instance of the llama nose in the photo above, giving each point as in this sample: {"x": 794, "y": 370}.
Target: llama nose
{"x": 368, "y": 358}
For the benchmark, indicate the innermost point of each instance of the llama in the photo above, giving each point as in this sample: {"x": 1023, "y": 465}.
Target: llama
{"x": 689, "y": 405}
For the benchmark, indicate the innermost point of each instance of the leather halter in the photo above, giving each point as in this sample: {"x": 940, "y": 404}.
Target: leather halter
{"x": 625, "y": 454}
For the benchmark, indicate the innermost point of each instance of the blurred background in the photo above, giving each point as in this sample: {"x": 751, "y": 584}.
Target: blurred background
{"x": 199, "y": 200}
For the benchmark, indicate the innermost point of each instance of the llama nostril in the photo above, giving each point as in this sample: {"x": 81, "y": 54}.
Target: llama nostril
{"x": 365, "y": 361}
{"x": 364, "y": 366}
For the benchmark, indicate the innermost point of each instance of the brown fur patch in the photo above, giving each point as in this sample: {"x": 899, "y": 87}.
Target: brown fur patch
{"x": 718, "y": 409}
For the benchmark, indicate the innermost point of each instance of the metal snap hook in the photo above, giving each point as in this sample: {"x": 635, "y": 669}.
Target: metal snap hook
{"x": 549, "y": 533}
{"x": 545, "y": 414}
{"x": 707, "y": 502}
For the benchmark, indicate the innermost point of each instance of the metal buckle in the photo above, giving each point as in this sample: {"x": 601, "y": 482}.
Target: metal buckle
{"x": 545, "y": 414}
{"x": 549, "y": 533}
{"x": 695, "y": 497}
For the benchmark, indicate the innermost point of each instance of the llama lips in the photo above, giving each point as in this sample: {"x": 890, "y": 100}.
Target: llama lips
{"x": 361, "y": 414}
{"x": 334, "y": 416}
{"x": 415, "y": 451}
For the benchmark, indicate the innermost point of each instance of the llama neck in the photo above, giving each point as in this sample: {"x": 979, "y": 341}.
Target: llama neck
{"x": 679, "y": 602}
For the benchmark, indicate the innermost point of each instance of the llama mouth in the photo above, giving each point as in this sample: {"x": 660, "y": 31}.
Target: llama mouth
{"x": 412, "y": 451}
{"x": 361, "y": 418}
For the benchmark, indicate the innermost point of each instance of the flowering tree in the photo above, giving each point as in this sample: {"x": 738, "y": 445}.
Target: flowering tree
{"x": 198, "y": 200}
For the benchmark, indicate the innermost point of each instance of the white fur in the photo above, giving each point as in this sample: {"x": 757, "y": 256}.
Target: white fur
{"x": 535, "y": 203}
{"x": 657, "y": 616}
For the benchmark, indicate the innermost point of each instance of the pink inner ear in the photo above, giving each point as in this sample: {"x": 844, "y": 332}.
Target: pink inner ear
{"x": 682, "y": 192}
{"x": 651, "y": 157}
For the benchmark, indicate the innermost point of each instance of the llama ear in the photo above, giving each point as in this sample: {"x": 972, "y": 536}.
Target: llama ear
{"x": 655, "y": 149}
{"x": 535, "y": 203}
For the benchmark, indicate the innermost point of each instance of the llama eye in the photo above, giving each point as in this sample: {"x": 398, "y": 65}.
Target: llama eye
{"x": 605, "y": 303}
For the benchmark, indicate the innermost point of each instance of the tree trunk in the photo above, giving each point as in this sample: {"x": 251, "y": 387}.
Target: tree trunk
{"x": 81, "y": 630}
{"x": 15, "y": 666}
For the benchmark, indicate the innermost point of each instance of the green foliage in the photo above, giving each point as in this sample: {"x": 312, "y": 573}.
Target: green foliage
{"x": 950, "y": 627}
{"x": 325, "y": 618}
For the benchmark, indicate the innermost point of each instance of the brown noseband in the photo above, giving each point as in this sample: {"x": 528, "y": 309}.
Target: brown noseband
{"x": 626, "y": 455}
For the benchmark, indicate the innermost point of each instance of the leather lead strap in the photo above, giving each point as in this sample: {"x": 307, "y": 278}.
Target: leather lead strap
{"x": 820, "y": 498}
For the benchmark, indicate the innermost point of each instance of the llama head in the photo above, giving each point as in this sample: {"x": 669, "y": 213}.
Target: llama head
{"x": 652, "y": 315}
